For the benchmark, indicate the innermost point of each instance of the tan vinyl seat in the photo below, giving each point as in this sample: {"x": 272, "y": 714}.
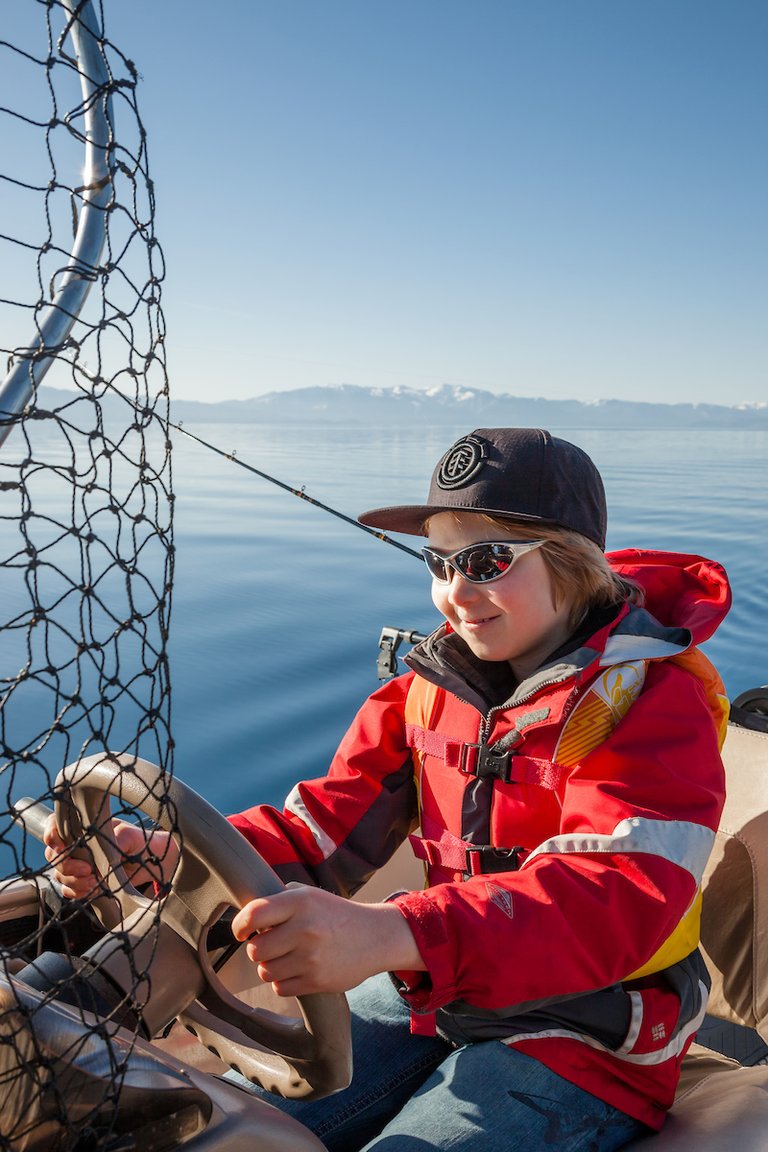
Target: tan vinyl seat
{"x": 721, "y": 1105}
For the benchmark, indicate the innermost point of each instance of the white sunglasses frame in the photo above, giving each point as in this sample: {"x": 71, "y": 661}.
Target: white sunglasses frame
{"x": 521, "y": 547}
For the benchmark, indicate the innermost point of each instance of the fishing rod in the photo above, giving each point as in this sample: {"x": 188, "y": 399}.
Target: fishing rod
{"x": 302, "y": 495}
{"x": 390, "y": 638}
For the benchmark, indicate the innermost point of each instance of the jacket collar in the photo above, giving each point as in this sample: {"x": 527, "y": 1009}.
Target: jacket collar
{"x": 607, "y": 636}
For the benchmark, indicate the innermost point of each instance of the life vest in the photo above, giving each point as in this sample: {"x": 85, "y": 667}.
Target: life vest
{"x": 593, "y": 719}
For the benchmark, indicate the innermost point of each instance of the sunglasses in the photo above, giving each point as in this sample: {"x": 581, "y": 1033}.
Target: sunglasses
{"x": 479, "y": 563}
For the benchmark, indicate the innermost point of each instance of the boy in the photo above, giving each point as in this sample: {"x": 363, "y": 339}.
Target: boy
{"x": 556, "y": 744}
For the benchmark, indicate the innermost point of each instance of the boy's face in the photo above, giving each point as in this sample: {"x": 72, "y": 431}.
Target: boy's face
{"x": 512, "y": 618}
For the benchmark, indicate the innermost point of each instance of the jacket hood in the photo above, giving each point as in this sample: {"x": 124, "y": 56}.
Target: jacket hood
{"x": 681, "y": 590}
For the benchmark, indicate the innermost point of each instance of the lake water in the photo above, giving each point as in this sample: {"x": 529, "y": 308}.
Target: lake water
{"x": 278, "y": 606}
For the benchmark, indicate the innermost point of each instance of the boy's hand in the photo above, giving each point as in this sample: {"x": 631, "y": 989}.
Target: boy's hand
{"x": 309, "y": 940}
{"x": 77, "y": 878}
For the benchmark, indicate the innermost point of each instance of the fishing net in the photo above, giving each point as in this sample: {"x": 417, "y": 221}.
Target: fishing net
{"x": 85, "y": 529}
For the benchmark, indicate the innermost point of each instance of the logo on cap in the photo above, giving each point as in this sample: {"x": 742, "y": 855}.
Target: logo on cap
{"x": 461, "y": 463}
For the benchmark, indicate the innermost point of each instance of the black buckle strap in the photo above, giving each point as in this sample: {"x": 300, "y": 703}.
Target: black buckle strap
{"x": 484, "y": 858}
{"x": 481, "y": 761}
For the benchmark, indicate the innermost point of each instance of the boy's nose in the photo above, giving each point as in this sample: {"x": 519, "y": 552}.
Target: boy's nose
{"x": 460, "y": 590}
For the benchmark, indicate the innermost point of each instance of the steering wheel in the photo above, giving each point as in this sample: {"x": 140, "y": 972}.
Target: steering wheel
{"x": 307, "y": 1056}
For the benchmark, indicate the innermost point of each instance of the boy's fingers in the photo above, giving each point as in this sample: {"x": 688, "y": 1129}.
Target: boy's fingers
{"x": 250, "y": 919}
{"x": 77, "y": 869}
{"x": 260, "y": 914}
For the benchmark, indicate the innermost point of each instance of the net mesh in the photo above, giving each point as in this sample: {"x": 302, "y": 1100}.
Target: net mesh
{"x": 85, "y": 531}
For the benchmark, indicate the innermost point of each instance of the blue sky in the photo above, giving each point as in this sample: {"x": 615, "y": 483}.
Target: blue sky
{"x": 564, "y": 198}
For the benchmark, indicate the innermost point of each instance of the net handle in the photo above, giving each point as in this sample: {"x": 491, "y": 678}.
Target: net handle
{"x": 29, "y": 365}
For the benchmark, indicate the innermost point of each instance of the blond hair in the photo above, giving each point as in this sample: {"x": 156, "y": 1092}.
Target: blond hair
{"x": 578, "y": 569}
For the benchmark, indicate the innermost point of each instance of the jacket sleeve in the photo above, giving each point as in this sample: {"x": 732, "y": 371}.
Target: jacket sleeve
{"x": 336, "y": 831}
{"x": 593, "y": 903}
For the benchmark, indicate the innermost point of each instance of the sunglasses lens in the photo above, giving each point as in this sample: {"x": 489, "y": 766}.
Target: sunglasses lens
{"x": 438, "y": 568}
{"x": 484, "y": 562}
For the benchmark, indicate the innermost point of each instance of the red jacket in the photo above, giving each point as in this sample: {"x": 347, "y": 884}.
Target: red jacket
{"x": 566, "y": 823}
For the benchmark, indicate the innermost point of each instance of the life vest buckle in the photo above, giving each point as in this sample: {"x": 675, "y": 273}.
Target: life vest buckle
{"x": 485, "y": 858}
{"x": 478, "y": 760}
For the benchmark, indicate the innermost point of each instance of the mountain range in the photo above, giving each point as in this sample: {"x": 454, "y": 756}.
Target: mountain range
{"x": 451, "y": 404}
{"x": 455, "y": 405}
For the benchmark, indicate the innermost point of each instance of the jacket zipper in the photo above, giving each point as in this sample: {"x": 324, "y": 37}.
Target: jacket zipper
{"x": 485, "y": 723}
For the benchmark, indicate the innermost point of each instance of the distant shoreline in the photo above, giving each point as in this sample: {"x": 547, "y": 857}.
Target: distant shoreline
{"x": 349, "y": 404}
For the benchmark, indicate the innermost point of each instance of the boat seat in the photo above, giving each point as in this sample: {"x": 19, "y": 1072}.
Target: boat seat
{"x": 722, "y": 1105}
{"x": 59, "y": 1074}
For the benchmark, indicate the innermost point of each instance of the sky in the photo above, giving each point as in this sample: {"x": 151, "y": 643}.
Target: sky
{"x": 557, "y": 198}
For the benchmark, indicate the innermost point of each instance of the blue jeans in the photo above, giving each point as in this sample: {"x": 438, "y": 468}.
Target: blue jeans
{"x": 413, "y": 1093}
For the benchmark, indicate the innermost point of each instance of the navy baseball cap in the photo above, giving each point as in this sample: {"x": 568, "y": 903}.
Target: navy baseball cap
{"x": 519, "y": 473}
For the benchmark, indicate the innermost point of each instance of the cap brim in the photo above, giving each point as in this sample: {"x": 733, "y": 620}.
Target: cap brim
{"x": 409, "y": 518}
